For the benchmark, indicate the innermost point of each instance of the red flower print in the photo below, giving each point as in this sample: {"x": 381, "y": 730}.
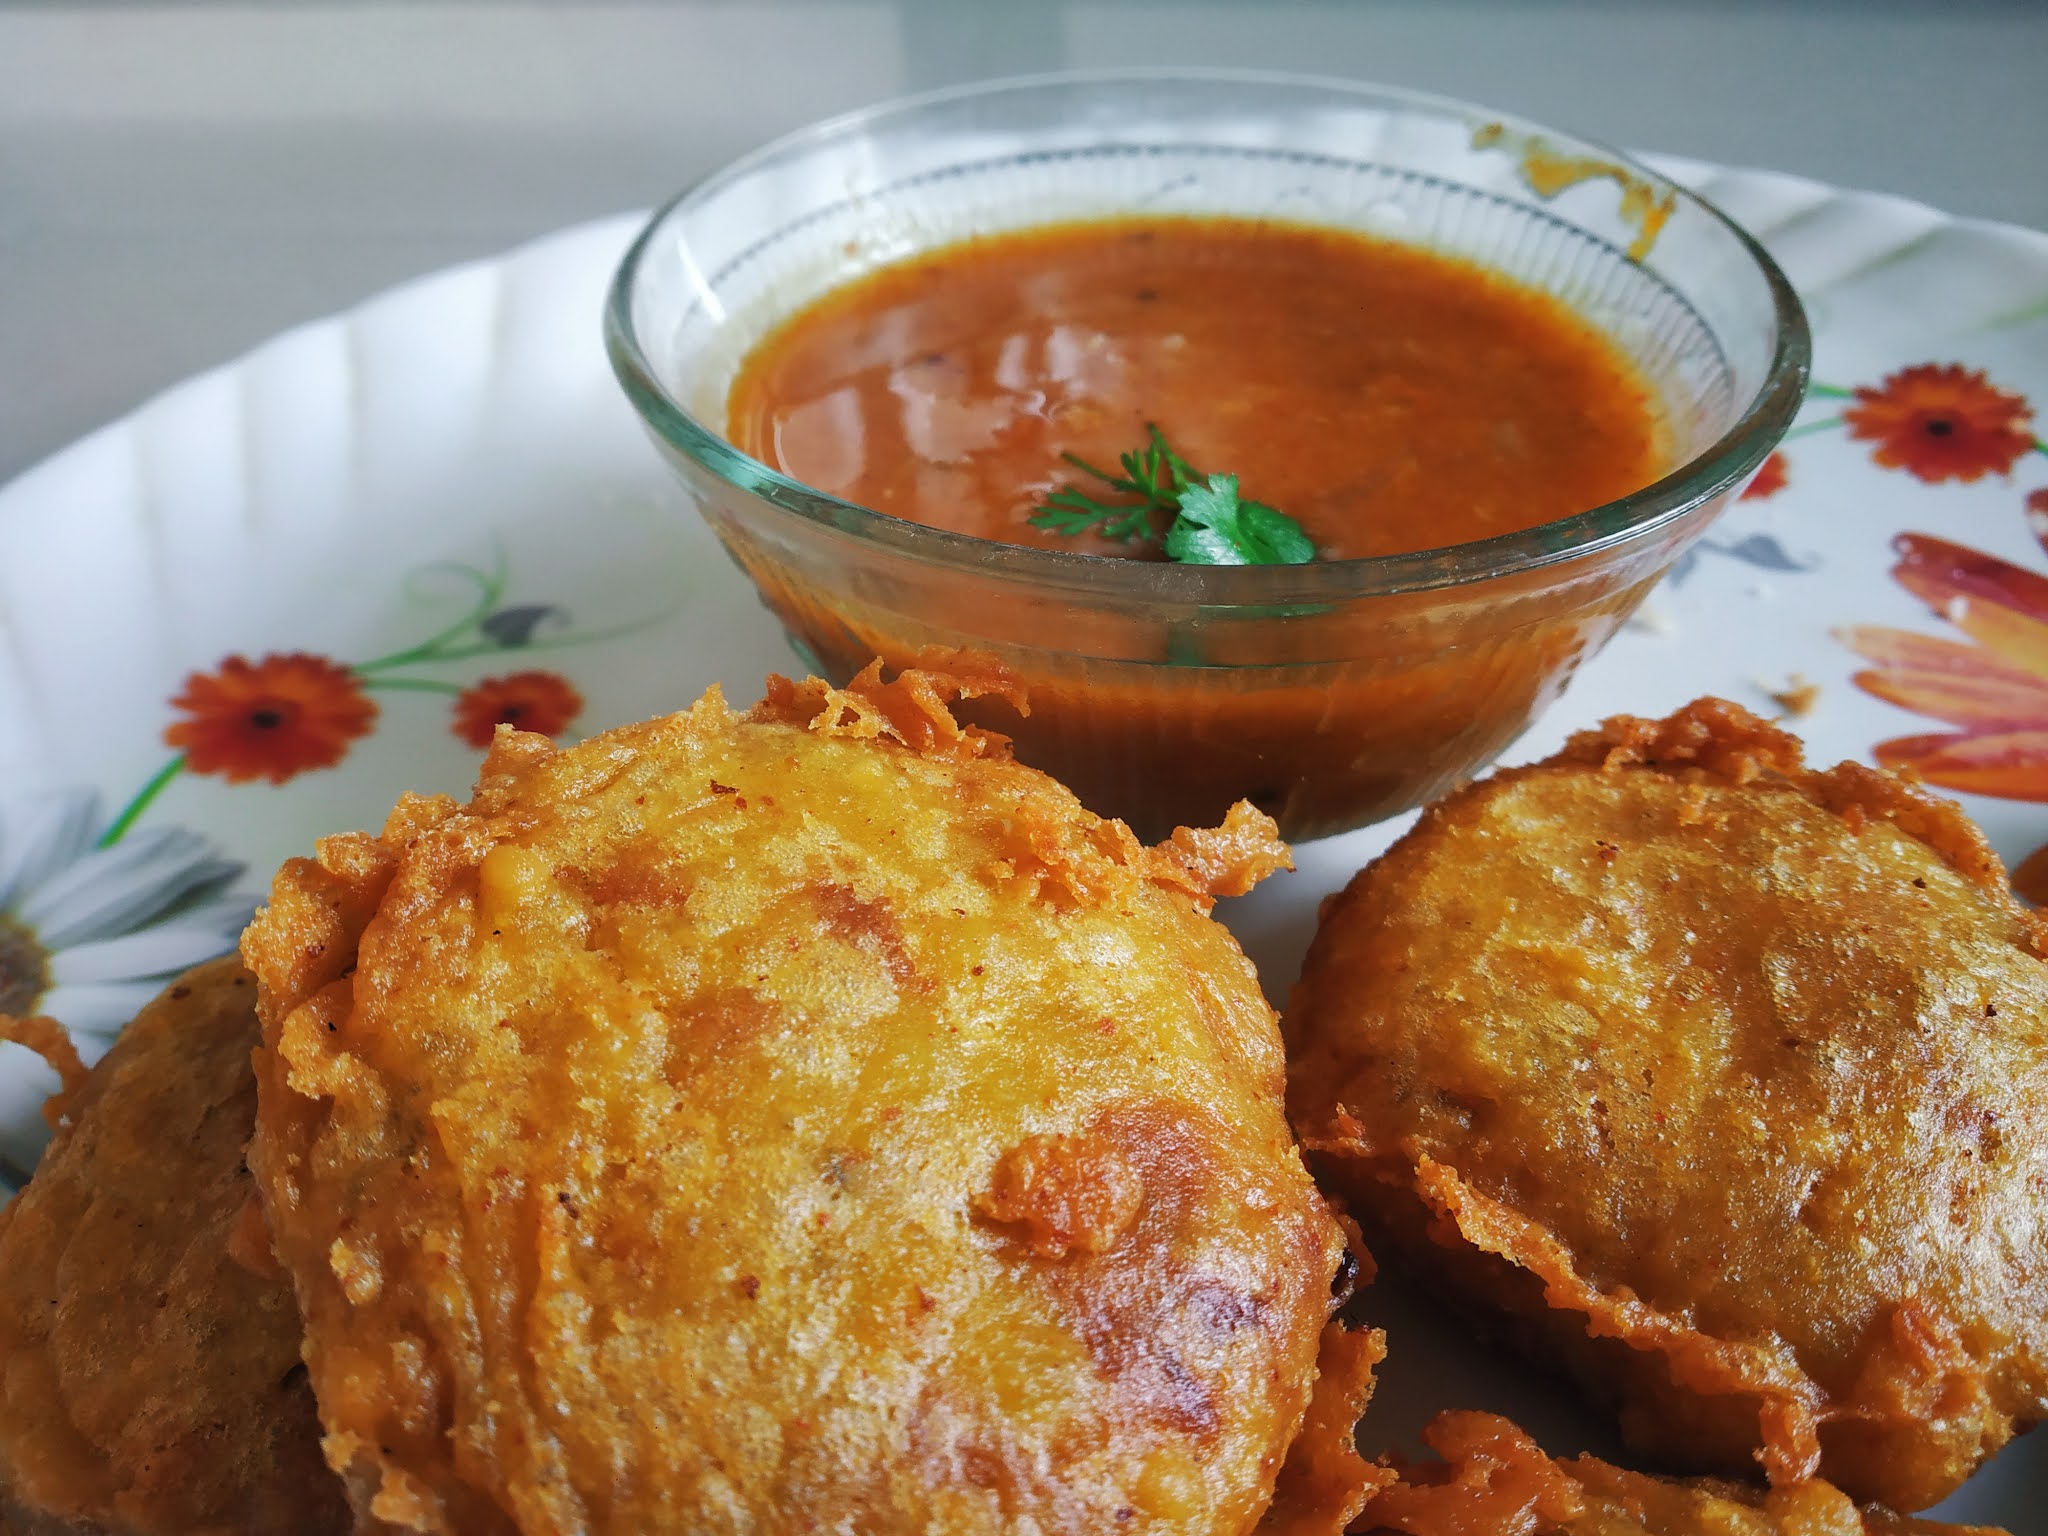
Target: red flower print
{"x": 1942, "y": 422}
{"x": 271, "y": 719}
{"x": 1994, "y": 687}
{"x": 2037, "y": 516}
{"x": 1770, "y": 479}
{"x": 534, "y": 701}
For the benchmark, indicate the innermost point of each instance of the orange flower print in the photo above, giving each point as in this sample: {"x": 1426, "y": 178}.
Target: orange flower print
{"x": 2037, "y": 516}
{"x": 1993, "y": 686}
{"x": 1942, "y": 422}
{"x": 1770, "y": 479}
{"x": 534, "y": 701}
{"x": 271, "y": 719}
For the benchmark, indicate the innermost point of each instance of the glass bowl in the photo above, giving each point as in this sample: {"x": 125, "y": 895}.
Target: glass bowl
{"x": 1329, "y": 694}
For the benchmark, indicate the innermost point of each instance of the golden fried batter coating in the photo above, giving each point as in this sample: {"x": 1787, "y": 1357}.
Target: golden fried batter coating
{"x": 1325, "y": 1482}
{"x": 1728, "y": 1078}
{"x": 805, "y": 1121}
{"x": 150, "y": 1382}
{"x": 1495, "y": 1481}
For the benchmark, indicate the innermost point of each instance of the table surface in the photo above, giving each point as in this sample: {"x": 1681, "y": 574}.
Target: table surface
{"x": 180, "y": 180}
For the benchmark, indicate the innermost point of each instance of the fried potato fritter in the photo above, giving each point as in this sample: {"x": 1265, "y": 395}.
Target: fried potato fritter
{"x": 810, "y": 1120}
{"x": 1495, "y": 1481}
{"x": 1729, "y": 1079}
{"x": 150, "y": 1381}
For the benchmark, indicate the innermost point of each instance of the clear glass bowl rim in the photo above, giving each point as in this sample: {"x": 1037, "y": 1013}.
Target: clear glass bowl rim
{"x": 1102, "y": 578}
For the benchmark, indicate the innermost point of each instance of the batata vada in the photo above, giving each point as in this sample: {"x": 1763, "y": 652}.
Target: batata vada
{"x": 150, "y": 1382}
{"x": 1728, "y": 1078}
{"x": 811, "y": 1120}
{"x": 1493, "y": 1480}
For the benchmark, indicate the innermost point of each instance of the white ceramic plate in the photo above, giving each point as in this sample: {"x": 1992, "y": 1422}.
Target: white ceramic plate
{"x": 378, "y": 515}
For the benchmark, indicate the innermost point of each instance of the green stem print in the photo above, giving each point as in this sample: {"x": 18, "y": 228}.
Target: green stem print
{"x": 132, "y": 811}
{"x": 1808, "y": 428}
{"x": 290, "y": 713}
{"x": 490, "y": 592}
{"x": 411, "y": 685}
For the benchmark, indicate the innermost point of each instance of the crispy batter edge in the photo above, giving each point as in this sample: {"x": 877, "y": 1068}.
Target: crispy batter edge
{"x": 1491, "y": 1467}
{"x": 1324, "y": 1483}
{"x": 1722, "y": 740}
{"x": 1792, "y": 1406}
{"x": 912, "y": 711}
{"x": 51, "y": 1041}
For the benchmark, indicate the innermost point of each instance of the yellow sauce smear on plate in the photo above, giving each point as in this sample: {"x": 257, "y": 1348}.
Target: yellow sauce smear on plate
{"x": 1387, "y": 398}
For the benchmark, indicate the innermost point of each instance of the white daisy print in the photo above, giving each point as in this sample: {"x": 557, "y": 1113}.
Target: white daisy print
{"x": 89, "y": 933}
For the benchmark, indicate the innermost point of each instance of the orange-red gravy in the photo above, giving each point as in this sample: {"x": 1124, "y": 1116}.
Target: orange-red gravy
{"x": 1388, "y": 399}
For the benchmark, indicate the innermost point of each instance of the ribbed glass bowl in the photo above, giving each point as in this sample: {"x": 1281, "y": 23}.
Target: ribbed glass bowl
{"x": 1330, "y": 694}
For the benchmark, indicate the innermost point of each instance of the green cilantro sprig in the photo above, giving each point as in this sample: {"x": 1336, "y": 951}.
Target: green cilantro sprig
{"x": 1200, "y": 519}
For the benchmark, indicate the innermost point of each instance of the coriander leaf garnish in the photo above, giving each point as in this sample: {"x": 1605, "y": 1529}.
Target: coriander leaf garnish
{"x": 1204, "y": 520}
{"x": 1070, "y": 512}
{"x": 1217, "y": 527}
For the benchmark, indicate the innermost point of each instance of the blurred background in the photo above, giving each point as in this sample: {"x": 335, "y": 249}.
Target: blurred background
{"x": 179, "y": 180}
